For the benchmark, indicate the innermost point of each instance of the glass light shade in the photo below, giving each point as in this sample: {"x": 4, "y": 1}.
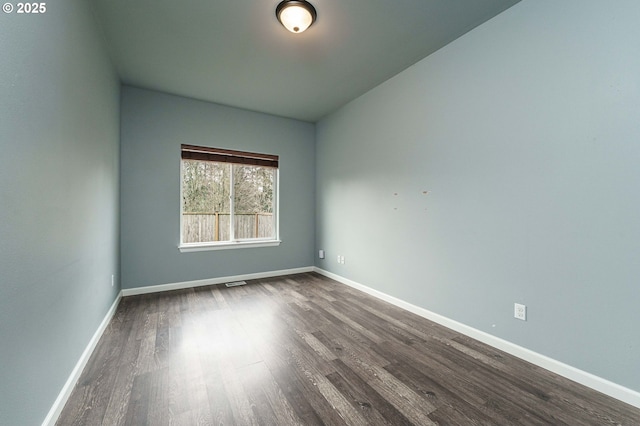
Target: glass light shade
{"x": 296, "y": 16}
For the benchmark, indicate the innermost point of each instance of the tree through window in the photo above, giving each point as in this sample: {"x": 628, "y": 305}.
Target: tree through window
{"x": 228, "y": 196}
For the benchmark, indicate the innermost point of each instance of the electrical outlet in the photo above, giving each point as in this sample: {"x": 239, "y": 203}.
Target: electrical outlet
{"x": 339, "y": 259}
{"x": 321, "y": 254}
{"x": 113, "y": 280}
{"x": 342, "y": 259}
{"x": 520, "y": 311}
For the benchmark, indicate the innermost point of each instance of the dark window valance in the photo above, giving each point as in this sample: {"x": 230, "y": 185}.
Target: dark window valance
{"x": 191, "y": 152}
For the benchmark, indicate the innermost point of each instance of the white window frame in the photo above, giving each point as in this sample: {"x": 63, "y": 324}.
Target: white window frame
{"x": 233, "y": 243}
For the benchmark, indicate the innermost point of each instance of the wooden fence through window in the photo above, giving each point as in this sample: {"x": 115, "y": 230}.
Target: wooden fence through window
{"x": 208, "y": 227}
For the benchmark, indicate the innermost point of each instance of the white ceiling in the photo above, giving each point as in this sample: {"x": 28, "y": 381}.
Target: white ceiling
{"x": 235, "y": 52}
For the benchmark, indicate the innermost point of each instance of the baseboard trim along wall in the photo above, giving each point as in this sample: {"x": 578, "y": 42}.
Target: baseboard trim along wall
{"x": 587, "y": 379}
{"x": 212, "y": 281}
{"x": 64, "y": 394}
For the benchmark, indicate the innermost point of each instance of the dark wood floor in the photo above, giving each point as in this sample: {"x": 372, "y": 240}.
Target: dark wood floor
{"x": 306, "y": 350}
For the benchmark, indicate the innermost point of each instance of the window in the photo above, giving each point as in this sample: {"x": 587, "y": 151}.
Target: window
{"x": 229, "y": 199}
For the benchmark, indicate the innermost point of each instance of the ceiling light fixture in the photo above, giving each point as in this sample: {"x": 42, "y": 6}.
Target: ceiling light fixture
{"x": 296, "y": 15}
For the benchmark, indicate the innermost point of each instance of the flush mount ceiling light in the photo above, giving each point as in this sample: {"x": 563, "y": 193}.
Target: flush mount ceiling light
{"x": 296, "y": 15}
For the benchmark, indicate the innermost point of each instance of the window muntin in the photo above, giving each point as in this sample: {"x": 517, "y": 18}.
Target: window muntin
{"x": 227, "y": 197}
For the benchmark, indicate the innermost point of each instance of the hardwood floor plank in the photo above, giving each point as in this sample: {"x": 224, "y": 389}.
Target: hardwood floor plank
{"x": 250, "y": 378}
{"x": 306, "y": 350}
{"x": 339, "y": 341}
{"x": 146, "y": 360}
{"x": 441, "y": 375}
{"x": 388, "y": 319}
{"x": 366, "y": 414}
{"x": 320, "y": 349}
{"x": 258, "y": 377}
{"x": 395, "y": 392}
{"x": 299, "y": 395}
{"x": 238, "y": 399}
{"x": 303, "y": 377}
{"x": 158, "y": 412}
{"x": 96, "y": 381}
{"x": 375, "y": 408}
{"x": 116, "y": 407}
{"x": 334, "y": 316}
{"x": 450, "y": 415}
{"x": 333, "y": 396}
{"x": 91, "y": 391}
{"x": 138, "y": 404}
{"x": 457, "y": 410}
{"x": 219, "y": 405}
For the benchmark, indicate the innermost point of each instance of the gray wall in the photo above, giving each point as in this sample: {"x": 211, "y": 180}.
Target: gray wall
{"x": 153, "y": 127}
{"x": 58, "y": 201}
{"x": 526, "y": 131}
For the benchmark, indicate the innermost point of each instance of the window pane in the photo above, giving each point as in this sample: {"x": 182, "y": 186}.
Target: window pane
{"x": 205, "y": 201}
{"x": 253, "y": 202}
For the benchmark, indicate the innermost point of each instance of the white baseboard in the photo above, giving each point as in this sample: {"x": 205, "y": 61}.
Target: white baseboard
{"x": 212, "y": 281}
{"x": 64, "y": 394}
{"x": 587, "y": 379}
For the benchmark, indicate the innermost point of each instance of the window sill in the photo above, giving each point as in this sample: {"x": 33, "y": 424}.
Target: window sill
{"x": 186, "y": 248}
